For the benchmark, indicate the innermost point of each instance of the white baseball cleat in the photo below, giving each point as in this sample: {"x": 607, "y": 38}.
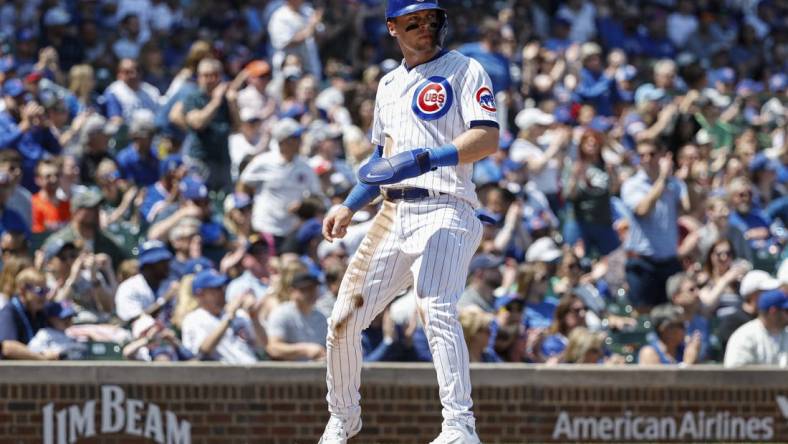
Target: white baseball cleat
{"x": 339, "y": 430}
{"x": 457, "y": 434}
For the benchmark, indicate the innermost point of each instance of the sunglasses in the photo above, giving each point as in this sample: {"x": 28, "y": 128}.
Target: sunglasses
{"x": 40, "y": 291}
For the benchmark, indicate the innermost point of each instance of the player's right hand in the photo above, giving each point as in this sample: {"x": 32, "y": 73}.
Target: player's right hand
{"x": 336, "y": 222}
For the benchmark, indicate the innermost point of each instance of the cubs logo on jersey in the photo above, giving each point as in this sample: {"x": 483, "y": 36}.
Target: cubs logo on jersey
{"x": 433, "y": 98}
{"x": 486, "y": 99}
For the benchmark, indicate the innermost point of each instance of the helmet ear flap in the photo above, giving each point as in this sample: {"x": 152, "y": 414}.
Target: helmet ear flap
{"x": 443, "y": 28}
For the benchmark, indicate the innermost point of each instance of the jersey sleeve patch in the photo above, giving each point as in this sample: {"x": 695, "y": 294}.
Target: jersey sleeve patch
{"x": 486, "y": 99}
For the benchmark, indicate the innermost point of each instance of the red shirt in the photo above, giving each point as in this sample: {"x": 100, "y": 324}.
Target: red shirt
{"x": 49, "y": 215}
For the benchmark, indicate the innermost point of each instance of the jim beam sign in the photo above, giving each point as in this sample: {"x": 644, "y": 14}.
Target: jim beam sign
{"x": 118, "y": 415}
{"x": 699, "y": 426}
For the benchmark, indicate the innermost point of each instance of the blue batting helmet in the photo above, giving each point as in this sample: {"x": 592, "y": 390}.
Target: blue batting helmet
{"x": 398, "y": 8}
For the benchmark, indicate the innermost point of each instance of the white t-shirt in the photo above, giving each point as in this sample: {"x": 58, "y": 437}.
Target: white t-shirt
{"x": 285, "y": 23}
{"x": 239, "y": 148}
{"x": 133, "y": 296}
{"x": 279, "y": 184}
{"x": 752, "y": 344}
{"x": 146, "y": 97}
{"x": 430, "y": 105}
{"x": 546, "y": 180}
{"x": 235, "y": 347}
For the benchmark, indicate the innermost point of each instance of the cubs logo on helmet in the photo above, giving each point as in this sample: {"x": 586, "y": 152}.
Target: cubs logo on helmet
{"x": 432, "y": 98}
{"x": 486, "y": 99}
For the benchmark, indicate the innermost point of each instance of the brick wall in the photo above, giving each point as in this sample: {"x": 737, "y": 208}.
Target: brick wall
{"x": 276, "y": 403}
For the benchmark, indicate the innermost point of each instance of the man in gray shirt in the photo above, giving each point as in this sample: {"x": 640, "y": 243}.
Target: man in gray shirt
{"x": 296, "y": 331}
{"x": 654, "y": 198}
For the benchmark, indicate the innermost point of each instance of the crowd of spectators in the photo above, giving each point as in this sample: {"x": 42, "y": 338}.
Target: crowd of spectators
{"x": 165, "y": 166}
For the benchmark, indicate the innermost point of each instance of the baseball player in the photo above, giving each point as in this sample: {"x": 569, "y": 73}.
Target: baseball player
{"x": 434, "y": 117}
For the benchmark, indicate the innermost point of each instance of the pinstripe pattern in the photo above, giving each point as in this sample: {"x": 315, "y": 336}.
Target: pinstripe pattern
{"x": 428, "y": 243}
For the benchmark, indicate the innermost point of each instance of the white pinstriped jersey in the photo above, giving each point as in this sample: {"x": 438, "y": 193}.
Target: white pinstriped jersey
{"x": 430, "y": 105}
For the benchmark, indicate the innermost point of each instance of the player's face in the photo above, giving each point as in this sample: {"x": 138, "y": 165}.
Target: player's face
{"x": 416, "y": 31}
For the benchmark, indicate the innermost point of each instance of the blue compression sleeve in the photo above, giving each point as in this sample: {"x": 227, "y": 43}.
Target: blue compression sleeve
{"x": 362, "y": 193}
{"x": 446, "y": 155}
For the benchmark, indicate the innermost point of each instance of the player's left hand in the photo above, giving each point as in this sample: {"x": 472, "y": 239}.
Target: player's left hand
{"x": 396, "y": 168}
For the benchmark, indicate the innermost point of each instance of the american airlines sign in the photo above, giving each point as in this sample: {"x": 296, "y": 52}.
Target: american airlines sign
{"x": 692, "y": 425}
{"x": 119, "y": 414}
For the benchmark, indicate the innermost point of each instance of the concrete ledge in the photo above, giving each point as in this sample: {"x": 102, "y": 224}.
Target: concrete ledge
{"x": 401, "y": 374}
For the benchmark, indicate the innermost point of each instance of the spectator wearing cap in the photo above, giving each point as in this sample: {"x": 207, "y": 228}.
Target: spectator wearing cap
{"x": 118, "y": 196}
{"x": 671, "y": 345}
{"x": 238, "y": 216}
{"x": 254, "y": 96}
{"x": 484, "y": 278}
{"x": 229, "y": 332}
{"x": 292, "y": 28}
{"x": 211, "y": 113}
{"x": 84, "y": 228}
{"x": 753, "y": 284}
{"x": 139, "y": 162}
{"x": 543, "y": 161}
{"x": 297, "y": 331}
{"x": 764, "y": 340}
{"x": 84, "y": 280}
{"x": 23, "y": 316}
{"x": 589, "y": 186}
{"x": 57, "y": 36}
{"x": 625, "y": 90}
{"x": 654, "y": 197}
{"x": 766, "y": 189}
{"x": 53, "y": 337}
{"x": 21, "y": 199}
{"x": 248, "y": 142}
{"x": 129, "y": 93}
{"x": 279, "y": 179}
{"x": 597, "y": 84}
{"x": 256, "y": 271}
{"x": 137, "y": 295}
{"x": 508, "y": 329}
{"x": 185, "y": 244}
{"x": 49, "y": 212}
{"x": 165, "y": 191}
{"x": 24, "y": 128}
{"x": 649, "y": 119}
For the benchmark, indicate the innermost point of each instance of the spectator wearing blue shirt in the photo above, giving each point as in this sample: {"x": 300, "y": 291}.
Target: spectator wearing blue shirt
{"x": 684, "y": 293}
{"x": 654, "y": 41}
{"x": 10, "y": 220}
{"x": 559, "y": 40}
{"x": 654, "y": 198}
{"x": 24, "y": 128}
{"x": 139, "y": 161}
{"x": 570, "y": 313}
{"x": 165, "y": 191}
{"x": 750, "y": 220}
{"x": 23, "y": 316}
{"x": 487, "y": 52}
{"x": 597, "y": 86}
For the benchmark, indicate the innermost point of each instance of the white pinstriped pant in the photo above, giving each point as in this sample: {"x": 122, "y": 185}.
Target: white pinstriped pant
{"x": 428, "y": 243}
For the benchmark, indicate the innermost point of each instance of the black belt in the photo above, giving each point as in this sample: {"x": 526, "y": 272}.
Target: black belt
{"x": 410, "y": 193}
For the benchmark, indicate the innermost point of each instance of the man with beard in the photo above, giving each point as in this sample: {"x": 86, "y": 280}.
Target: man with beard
{"x": 84, "y": 228}
{"x": 485, "y": 277}
{"x": 749, "y": 220}
{"x": 137, "y": 294}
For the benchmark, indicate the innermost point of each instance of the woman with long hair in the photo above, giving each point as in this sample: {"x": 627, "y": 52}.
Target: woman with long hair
{"x": 721, "y": 275}
{"x": 590, "y": 183}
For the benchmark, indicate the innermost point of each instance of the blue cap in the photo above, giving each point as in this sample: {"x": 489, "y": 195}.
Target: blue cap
{"x": 484, "y": 262}
{"x": 170, "y": 163}
{"x": 13, "y": 88}
{"x": 211, "y": 232}
{"x": 60, "y": 310}
{"x": 240, "y": 200}
{"x": 626, "y": 73}
{"x": 563, "y": 114}
{"x": 725, "y": 75}
{"x": 772, "y": 298}
{"x": 760, "y": 163}
{"x": 194, "y": 266}
{"x": 398, "y": 8}
{"x": 503, "y": 301}
{"x": 749, "y": 85}
{"x": 648, "y": 93}
{"x": 309, "y": 230}
{"x": 6, "y": 64}
{"x": 193, "y": 188}
{"x": 25, "y": 34}
{"x": 153, "y": 251}
{"x": 777, "y": 82}
{"x": 209, "y": 278}
{"x": 600, "y": 124}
